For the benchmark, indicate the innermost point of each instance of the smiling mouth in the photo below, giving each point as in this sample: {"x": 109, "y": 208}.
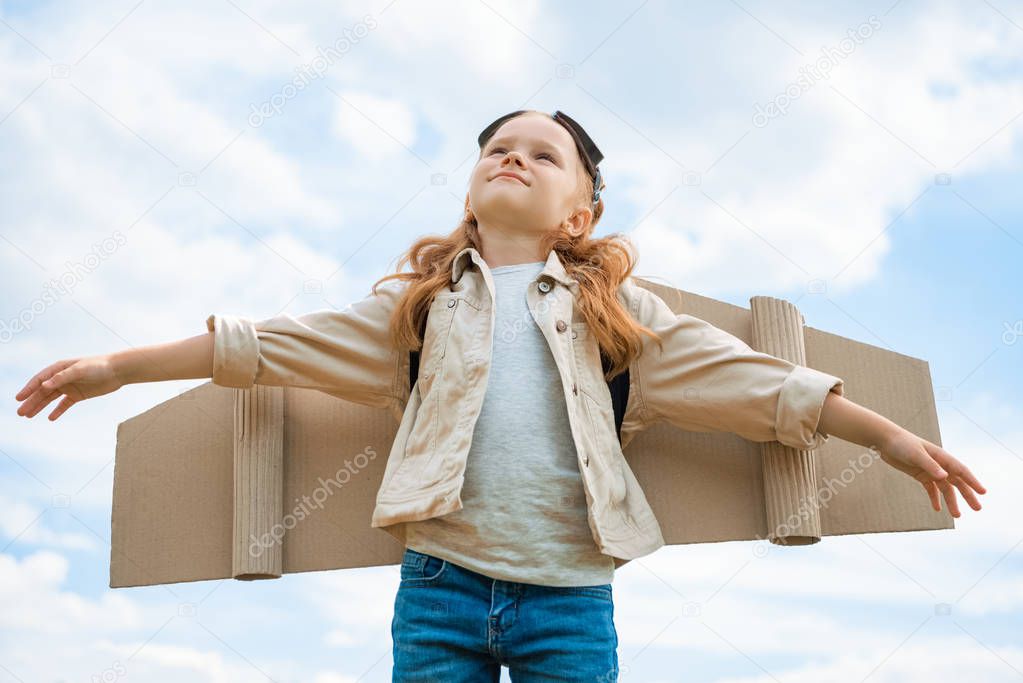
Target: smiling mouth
{"x": 509, "y": 177}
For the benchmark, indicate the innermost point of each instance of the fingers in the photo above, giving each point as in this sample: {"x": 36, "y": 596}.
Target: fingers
{"x": 950, "y": 496}
{"x": 967, "y": 493}
{"x": 966, "y": 475}
{"x": 973, "y": 481}
{"x": 928, "y": 463}
{"x": 30, "y": 403}
{"x": 953, "y": 465}
{"x": 57, "y": 381}
{"x": 66, "y": 403}
{"x": 37, "y": 379}
{"x": 39, "y": 401}
{"x": 31, "y": 385}
{"x": 45, "y": 389}
{"x": 932, "y": 493}
{"x": 947, "y": 488}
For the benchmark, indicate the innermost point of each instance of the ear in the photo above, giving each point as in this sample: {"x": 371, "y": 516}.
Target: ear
{"x": 579, "y": 221}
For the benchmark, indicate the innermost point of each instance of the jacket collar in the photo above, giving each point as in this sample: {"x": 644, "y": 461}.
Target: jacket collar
{"x": 553, "y": 268}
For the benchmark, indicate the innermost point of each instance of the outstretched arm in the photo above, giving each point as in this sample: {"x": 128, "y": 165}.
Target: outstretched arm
{"x": 347, "y": 354}
{"x": 705, "y": 379}
{"x": 76, "y": 379}
{"x": 930, "y": 464}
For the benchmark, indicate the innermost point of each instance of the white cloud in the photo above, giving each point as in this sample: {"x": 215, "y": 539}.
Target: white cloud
{"x": 483, "y": 40}
{"x": 27, "y": 524}
{"x": 801, "y": 198}
{"x": 377, "y": 127}
{"x": 36, "y": 602}
{"x": 931, "y": 660}
{"x": 358, "y": 604}
{"x": 326, "y": 677}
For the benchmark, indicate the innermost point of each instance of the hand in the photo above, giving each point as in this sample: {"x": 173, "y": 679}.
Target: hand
{"x": 76, "y": 379}
{"x": 934, "y": 468}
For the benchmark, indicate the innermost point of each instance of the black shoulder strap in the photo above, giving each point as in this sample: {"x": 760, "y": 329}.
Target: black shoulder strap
{"x": 413, "y": 368}
{"x": 618, "y": 386}
{"x": 413, "y": 358}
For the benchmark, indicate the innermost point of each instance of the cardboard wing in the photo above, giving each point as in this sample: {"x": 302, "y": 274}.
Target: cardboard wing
{"x": 256, "y": 483}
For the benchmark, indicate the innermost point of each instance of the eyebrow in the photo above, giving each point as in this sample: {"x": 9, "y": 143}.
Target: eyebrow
{"x": 542, "y": 143}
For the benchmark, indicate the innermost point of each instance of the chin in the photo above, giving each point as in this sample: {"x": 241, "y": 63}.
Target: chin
{"x": 499, "y": 210}
{"x": 501, "y": 201}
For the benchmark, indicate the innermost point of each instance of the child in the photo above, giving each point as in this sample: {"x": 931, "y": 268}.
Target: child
{"x": 506, "y": 481}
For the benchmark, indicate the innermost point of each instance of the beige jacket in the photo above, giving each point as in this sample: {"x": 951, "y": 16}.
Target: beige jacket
{"x": 704, "y": 380}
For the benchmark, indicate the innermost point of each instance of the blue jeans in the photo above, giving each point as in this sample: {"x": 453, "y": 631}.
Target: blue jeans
{"x": 453, "y": 625}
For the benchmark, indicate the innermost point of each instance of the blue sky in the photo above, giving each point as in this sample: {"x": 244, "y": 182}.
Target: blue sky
{"x": 894, "y": 180}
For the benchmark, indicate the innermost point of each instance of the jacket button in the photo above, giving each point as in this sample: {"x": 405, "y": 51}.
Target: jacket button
{"x": 574, "y": 334}
{"x": 561, "y": 325}
{"x": 586, "y": 460}
{"x": 575, "y": 390}
{"x": 451, "y": 303}
{"x": 544, "y": 286}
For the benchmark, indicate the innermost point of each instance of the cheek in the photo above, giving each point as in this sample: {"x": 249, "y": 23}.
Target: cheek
{"x": 476, "y": 180}
{"x": 480, "y": 173}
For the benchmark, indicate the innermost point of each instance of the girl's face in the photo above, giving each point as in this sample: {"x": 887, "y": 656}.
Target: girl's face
{"x": 542, "y": 155}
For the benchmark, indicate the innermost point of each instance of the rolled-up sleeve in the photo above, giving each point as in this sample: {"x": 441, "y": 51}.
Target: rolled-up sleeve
{"x": 235, "y": 350}
{"x": 703, "y": 379}
{"x": 800, "y": 403}
{"x": 346, "y": 353}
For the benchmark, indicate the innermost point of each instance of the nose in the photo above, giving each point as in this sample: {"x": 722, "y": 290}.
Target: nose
{"x": 512, "y": 155}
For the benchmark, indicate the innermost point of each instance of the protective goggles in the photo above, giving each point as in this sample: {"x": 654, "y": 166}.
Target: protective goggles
{"x": 587, "y": 149}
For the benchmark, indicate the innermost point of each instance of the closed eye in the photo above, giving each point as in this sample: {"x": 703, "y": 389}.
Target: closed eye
{"x": 550, "y": 157}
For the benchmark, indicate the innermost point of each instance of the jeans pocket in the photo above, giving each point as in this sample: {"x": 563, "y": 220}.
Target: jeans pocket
{"x": 418, "y": 569}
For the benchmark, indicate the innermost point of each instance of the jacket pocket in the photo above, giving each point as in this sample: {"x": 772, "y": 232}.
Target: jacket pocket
{"x": 422, "y": 465}
{"x": 609, "y": 469}
{"x": 435, "y": 340}
{"x": 596, "y": 407}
